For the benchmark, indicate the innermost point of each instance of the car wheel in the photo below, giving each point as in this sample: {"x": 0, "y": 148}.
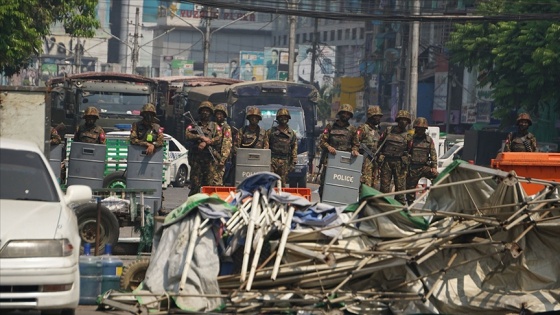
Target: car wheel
{"x": 134, "y": 274}
{"x": 87, "y": 226}
{"x": 181, "y": 178}
{"x": 115, "y": 180}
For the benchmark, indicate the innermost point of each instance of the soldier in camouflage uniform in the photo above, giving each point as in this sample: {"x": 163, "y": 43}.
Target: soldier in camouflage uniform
{"x": 282, "y": 141}
{"x": 203, "y": 166}
{"x": 368, "y": 135}
{"x": 147, "y": 132}
{"x": 90, "y": 132}
{"x": 251, "y": 136}
{"x": 55, "y": 137}
{"x": 423, "y": 157}
{"x": 340, "y": 136}
{"x": 393, "y": 158}
{"x": 224, "y": 147}
{"x": 522, "y": 140}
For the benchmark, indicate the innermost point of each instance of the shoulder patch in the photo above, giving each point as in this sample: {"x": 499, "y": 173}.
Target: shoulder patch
{"x": 189, "y": 127}
{"x": 160, "y": 130}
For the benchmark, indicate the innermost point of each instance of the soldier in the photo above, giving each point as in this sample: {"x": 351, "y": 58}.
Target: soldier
{"x": 282, "y": 141}
{"x": 368, "y": 135}
{"x": 224, "y": 147}
{"x": 90, "y": 132}
{"x": 340, "y": 136}
{"x": 55, "y": 137}
{"x": 203, "y": 165}
{"x": 251, "y": 136}
{"x": 147, "y": 132}
{"x": 393, "y": 158}
{"x": 522, "y": 140}
{"x": 423, "y": 157}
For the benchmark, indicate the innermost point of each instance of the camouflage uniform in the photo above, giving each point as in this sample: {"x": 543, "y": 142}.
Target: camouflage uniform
{"x": 341, "y": 138}
{"x": 145, "y": 133}
{"x": 283, "y": 147}
{"x": 55, "y": 137}
{"x": 223, "y": 148}
{"x": 522, "y": 140}
{"x": 249, "y": 137}
{"x": 203, "y": 167}
{"x": 423, "y": 157}
{"x": 393, "y": 157}
{"x": 368, "y": 135}
{"x": 90, "y": 133}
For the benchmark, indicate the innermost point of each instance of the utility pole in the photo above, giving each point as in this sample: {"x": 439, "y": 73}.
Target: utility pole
{"x": 78, "y": 56}
{"x": 208, "y": 18}
{"x": 414, "y": 43}
{"x": 135, "y": 47}
{"x": 292, "y": 43}
{"x": 314, "y": 55}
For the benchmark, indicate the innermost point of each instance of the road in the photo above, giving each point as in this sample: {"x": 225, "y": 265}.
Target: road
{"x": 173, "y": 197}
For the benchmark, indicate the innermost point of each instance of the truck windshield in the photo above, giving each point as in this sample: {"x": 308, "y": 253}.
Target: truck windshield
{"x": 296, "y": 122}
{"x": 114, "y": 102}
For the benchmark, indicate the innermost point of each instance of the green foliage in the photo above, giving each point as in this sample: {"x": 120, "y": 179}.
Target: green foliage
{"x": 24, "y": 23}
{"x": 520, "y": 60}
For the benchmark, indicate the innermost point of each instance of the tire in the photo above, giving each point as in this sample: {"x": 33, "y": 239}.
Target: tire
{"x": 115, "y": 180}
{"x": 134, "y": 274}
{"x": 87, "y": 226}
{"x": 300, "y": 182}
{"x": 181, "y": 177}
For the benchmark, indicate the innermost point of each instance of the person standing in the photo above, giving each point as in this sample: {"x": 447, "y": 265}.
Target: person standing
{"x": 55, "y": 137}
{"x": 282, "y": 141}
{"x": 203, "y": 165}
{"x": 522, "y": 140}
{"x": 252, "y": 135}
{"x": 224, "y": 146}
{"x": 423, "y": 157}
{"x": 340, "y": 136}
{"x": 368, "y": 135}
{"x": 89, "y": 132}
{"x": 393, "y": 158}
{"x": 247, "y": 73}
{"x": 147, "y": 132}
{"x": 233, "y": 69}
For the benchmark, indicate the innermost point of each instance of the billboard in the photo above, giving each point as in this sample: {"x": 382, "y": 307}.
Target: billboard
{"x": 324, "y": 71}
{"x": 251, "y": 65}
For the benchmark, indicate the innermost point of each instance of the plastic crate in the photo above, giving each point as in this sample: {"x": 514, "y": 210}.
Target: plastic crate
{"x": 224, "y": 191}
{"x": 534, "y": 165}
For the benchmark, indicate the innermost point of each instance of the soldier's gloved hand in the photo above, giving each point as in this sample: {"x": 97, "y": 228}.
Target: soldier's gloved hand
{"x": 150, "y": 149}
{"x": 355, "y": 153}
{"x": 202, "y": 145}
{"x": 331, "y": 150}
{"x": 206, "y": 140}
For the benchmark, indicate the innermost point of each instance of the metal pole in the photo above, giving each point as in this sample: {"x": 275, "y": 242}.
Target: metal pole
{"x": 208, "y": 18}
{"x": 135, "y": 45}
{"x": 448, "y": 100}
{"x": 292, "y": 43}
{"x": 413, "y": 93}
{"x": 314, "y": 55}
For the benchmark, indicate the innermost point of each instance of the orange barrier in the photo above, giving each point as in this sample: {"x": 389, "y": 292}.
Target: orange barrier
{"x": 534, "y": 165}
{"x": 223, "y": 192}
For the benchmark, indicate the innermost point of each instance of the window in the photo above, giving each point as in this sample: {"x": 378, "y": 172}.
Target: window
{"x": 339, "y": 34}
{"x": 325, "y": 36}
{"x": 347, "y": 34}
{"x": 332, "y": 35}
{"x": 362, "y": 33}
{"x": 354, "y": 33}
{"x": 297, "y": 38}
{"x": 304, "y": 38}
{"x": 285, "y": 39}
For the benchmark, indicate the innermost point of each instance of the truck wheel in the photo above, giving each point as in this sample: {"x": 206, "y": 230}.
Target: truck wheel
{"x": 181, "y": 178}
{"x": 87, "y": 226}
{"x": 134, "y": 274}
{"x": 115, "y": 180}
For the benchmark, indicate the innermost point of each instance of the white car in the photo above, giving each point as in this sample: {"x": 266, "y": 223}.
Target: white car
{"x": 39, "y": 240}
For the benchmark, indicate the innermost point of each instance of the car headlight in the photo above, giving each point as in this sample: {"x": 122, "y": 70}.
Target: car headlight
{"x": 37, "y": 248}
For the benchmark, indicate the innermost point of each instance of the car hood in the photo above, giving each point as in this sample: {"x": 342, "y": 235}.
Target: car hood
{"x": 28, "y": 219}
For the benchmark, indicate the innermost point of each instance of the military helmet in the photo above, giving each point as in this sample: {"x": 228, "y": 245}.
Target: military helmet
{"x": 346, "y": 108}
{"x": 206, "y": 104}
{"x": 254, "y": 111}
{"x": 374, "y": 111}
{"x": 283, "y": 112}
{"x": 404, "y": 114}
{"x": 91, "y": 111}
{"x": 222, "y": 107}
{"x": 148, "y": 108}
{"x": 420, "y": 122}
{"x": 524, "y": 116}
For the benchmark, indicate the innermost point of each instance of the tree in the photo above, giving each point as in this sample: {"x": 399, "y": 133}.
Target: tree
{"x": 24, "y": 23}
{"x": 519, "y": 59}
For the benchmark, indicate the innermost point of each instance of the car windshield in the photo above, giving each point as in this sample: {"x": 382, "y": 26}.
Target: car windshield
{"x": 24, "y": 176}
{"x": 451, "y": 151}
{"x": 114, "y": 102}
{"x": 296, "y": 122}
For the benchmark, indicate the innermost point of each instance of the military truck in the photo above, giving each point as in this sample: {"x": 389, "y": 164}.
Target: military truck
{"x": 269, "y": 96}
{"x": 118, "y": 97}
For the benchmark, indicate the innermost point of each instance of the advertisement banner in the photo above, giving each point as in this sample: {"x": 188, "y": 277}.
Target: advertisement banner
{"x": 251, "y": 65}
{"x": 276, "y": 63}
{"x": 219, "y": 70}
{"x": 324, "y": 65}
{"x": 182, "y": 67}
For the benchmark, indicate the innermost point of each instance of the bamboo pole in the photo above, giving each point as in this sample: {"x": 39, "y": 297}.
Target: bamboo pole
{"x": 190, "y": 251}
{"x": 283, "y": 240}
{"x": 249, "y": 236}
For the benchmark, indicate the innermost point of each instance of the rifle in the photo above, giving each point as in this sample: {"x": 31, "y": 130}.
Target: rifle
{"x": 188, "y": 115}
{"x": 368, "y": 152}
{"x": 317, "y": 176}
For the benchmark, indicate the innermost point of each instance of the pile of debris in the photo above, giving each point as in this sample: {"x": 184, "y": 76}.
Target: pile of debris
{"x": 474, "y": 242}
